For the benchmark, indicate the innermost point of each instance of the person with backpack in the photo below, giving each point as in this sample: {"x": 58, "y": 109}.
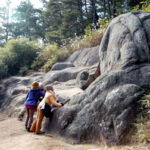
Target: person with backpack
{"x": 31, "y": 101}
{"x": 49, "y": 99}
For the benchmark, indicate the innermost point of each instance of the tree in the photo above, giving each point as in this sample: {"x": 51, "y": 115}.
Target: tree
{"x": 64, "y": 19}
{"x": 52, "y": 16}
{"x": 132, "y": 3}
{"x": 27, "y": 21}
{"x": 5, "y": 24}
{"x": 94, "y": 12}
{"x": 72, "y": 20}
{"x": 59, "y": 20}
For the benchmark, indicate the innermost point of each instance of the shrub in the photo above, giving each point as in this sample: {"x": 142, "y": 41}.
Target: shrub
{"x": 104, "y": 23}
{"x": 48, "y": 56}
{"x": 18, "y": 53}
{"x": 23, "y": 70}
{"x": 143, "y": 121}
{"x": 52, "y": 53}
{"x": 144, "y": 5}
{"x": 91, "y": 38}
{"x": 3, "y": 70}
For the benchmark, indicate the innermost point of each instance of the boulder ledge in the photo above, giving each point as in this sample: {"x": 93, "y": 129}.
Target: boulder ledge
{"x": 108, "y": 106}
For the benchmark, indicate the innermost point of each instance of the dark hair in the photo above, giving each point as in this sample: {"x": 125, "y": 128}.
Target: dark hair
{"x": 49, "y": 87}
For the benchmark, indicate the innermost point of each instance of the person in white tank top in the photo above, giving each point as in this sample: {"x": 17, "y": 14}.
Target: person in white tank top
{"x": 49, "y": 98}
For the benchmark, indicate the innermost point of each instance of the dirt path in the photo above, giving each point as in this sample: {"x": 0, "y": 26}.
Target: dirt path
{"x": 14, "y": 137}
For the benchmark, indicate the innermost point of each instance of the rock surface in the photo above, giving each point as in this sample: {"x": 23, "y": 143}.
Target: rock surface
{"x": 14, "y": 90}
{"x": 82, "y": 78}
{"x": 61, "y": 66}
{"x": 85, "y": 57}
{"x": 62, "y": 76}
{"x": 109, "y": 105}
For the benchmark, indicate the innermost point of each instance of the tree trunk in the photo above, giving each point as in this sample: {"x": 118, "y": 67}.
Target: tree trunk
{"x": 94, "y": 13}
{"x": 109, "y": 10}
{"x": 7, "y": 20}
{"x": 104, "y": 6}
{"x": 85, "y": 3}
{"x": 80, "y": 9}
{"x": 114, "y": 8}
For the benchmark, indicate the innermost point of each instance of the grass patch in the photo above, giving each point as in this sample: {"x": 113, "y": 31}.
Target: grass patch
{"x": 142, "y": 124}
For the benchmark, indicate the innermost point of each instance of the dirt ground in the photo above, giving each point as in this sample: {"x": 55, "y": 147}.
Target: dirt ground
{"x": 14, "y": 137}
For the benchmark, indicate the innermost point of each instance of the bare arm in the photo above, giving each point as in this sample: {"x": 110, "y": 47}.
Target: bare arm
{"x": 53, "y": 101}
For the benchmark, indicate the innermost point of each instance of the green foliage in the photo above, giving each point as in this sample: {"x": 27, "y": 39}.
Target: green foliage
{"x": 64, "y": 19}
{"x": 52, "y": 16}
{"x": 5, "y": 26}
{"x": 104, "y": 23}
{"x": 146, "y": 5}
{"x": 72, "y": 19}
{"x": 143, "y": 121}
{"x": 3, "y": 70}
{"x": 60, "y": 20}
{"x": 143, "y": 5}
{"x": 142, "y": 134}
{"x": 18, "y": 54}
{"x": 54, "y": 36}
{"x": 133, "y": 3}
{"x": 27, "y": 22}
{"x": 146, "y": 103}
{"x": 90, "y": 39}
{"x": 23, "y": 70}
{"x": 53, "y": 53}
{"x": 48, "y": 56}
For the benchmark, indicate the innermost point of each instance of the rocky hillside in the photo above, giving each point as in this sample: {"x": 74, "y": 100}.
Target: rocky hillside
{"x": 62, "y": 76}
{"x": 108, "y": 107}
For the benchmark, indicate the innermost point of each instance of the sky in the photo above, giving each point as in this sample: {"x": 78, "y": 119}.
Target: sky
{"x": 15, "y": 3}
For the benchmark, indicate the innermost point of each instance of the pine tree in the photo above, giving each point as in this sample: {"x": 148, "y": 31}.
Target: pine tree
{"x": 53, "y": 21}
{"x": 72, "y": 20}
{"x": 5, "y": 23}
{"x": 27, "y": 21}
{"x": 64, "y": 19}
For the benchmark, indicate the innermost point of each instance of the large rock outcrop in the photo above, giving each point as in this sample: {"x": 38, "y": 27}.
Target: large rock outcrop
{"x": 85, "y": 57}
{"x": 109, "y": 105}
{"x": 62, "y": 75}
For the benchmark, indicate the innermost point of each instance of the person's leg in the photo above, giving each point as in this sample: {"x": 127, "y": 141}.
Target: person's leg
{"x": 33, "y": 126}
{"x": 31, "y": 113}
{"x": 27, "y": 119}
{"x": 39, "y": 120}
